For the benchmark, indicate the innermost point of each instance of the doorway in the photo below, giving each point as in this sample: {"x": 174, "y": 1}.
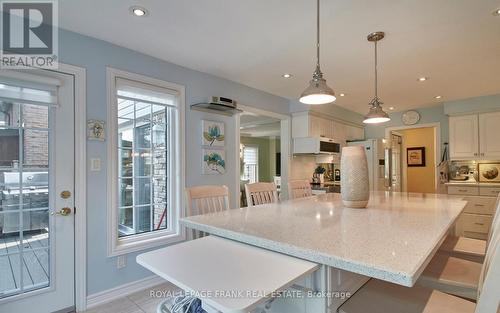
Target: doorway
{"x": 37, "y": 183}
{"x": 415, "y": 156}
{"x": 264, "y": 145}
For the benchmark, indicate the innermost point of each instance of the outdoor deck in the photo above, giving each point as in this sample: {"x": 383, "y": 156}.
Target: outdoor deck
{"x": 35, "y": 264}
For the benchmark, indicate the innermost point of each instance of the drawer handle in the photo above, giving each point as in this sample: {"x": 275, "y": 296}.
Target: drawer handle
{"x": 479, "y": 205}
{"x": 480, "y": 224}
{"x": 462, "y": 190}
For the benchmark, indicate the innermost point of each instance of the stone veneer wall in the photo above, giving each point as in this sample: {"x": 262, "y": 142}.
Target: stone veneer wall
{"x": 159, "y": 178}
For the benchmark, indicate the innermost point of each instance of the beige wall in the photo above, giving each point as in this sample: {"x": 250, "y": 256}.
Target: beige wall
{"x": 420, "y": 179}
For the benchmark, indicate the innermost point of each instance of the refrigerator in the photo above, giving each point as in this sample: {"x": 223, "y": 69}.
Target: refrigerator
{"x": 375, "y": 155}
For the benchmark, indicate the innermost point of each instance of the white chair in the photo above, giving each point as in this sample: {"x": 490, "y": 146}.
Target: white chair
{"x": 454, "y": 275}
{"x": 381, "y": 297}
{"x": 299, "y": 189}
{"x": 468, "y": 248}
{"x": 206, "y": 199}
{"x": 261, "y": 193}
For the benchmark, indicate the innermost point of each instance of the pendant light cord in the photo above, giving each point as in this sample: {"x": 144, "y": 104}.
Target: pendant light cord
{"x": 376, "y": 73}
{"x": 317, "y": 34}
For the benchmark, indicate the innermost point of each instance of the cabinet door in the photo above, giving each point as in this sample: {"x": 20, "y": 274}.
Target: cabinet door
{"x": 464, "y": 137}
{"x": 489, "y": 130}
{"x": 354, "y": 133}
{"x": 339, "y": 133}
{"x": 314, "y": 126}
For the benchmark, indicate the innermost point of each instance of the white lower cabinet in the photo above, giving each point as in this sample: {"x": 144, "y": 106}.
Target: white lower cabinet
{"x": 477, "y": 217}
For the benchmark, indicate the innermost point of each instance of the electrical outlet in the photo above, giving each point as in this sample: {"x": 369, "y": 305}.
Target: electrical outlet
{"x": 121, "y": 261}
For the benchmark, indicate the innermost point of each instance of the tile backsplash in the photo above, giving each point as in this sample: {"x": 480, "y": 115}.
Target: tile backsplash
{"x": 458, "y": 169}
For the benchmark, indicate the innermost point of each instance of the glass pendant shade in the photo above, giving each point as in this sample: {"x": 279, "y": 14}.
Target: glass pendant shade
{"x": 318, "y": 92}
{"x": 376, "y": 114}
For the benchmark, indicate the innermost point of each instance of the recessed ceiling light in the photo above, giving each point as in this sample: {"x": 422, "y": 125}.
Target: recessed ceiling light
{"x": 286, "y": 75}
{"x": 342, "y": 95}
{"x": 423, "y": 79}
{"x": 496, "y": 12}
{"x": 138, "y": 11}
{"x": 391, "y": 108}
{"x": 438, "y": 97}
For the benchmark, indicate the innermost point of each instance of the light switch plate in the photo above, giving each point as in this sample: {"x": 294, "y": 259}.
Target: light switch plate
{"x": 95, "y": 164}
{"x": 121, "y": 261}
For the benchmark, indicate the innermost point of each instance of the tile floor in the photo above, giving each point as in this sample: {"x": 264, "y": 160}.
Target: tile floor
{"x": 139, "y": 302}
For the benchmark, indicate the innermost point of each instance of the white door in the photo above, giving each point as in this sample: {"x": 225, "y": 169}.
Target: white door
{"x": 489, "y": 130}
{"x": 37, "y": 191}
{"x": 464, "y": 137}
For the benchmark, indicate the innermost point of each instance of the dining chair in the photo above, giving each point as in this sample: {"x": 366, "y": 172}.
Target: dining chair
{"x": 261, "y": 193}
{"x": 454, "y": 275}
{"x": 377, "y": 296}
{"x": 299, "y": 189}
{"x": 468, "y": 248}
{"x": 206, "y": 199}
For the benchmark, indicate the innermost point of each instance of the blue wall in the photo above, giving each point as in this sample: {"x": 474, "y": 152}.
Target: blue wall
{"x": 95, "y": 55}
{"x": 434, "y": 114}
{"x": 478, "y": 104}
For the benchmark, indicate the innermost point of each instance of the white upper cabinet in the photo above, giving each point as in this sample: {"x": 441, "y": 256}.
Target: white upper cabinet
{"x": 489, "y": 133}
{"x": 464, "y": 137}
{"x": 475, "y": 136}
{"x": 305, "y": 124}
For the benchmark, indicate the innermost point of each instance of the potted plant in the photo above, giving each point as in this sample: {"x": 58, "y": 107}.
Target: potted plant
{"x": 320, "y": 173}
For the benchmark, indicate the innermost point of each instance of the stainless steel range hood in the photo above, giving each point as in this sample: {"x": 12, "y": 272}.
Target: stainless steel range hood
{"x": 218, "y": 105}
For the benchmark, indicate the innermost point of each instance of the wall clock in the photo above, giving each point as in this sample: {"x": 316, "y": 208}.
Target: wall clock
{"x": 410, "y": 117}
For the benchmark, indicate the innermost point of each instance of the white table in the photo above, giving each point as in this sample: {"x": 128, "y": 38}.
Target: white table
{"x": 226, "y": 275}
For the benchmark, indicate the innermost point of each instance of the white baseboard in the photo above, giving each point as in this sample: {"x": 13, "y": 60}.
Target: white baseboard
{"x": 109, "y": 295}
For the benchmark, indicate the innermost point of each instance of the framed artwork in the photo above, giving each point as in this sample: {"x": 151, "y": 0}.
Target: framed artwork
{"x": 212, "y": 133}
{"x": 214, "y": 162}
{"x": 489, "y": 172}
{"x": 415, "y": 157}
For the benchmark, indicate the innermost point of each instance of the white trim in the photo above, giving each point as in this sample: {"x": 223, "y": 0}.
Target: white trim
{"x": 80, "y": 197}
{"x": 118, "y": 292}
{"x": 437, "y": 147}
{"x": 285, "y": 139}
{"x": 175, "y": 233}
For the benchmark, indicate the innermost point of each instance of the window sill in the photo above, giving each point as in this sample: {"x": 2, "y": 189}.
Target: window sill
{"x": 142, "y": 242}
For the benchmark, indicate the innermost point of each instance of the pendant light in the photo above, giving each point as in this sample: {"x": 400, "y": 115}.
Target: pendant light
{"x": 376, "y": 114}
{"x": 318, "y": 91}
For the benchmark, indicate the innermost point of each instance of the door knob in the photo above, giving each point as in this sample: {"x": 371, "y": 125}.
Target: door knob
{"x": 62, "y": 212}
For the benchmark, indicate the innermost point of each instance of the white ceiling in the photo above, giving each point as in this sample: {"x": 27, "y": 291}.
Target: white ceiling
{"x": 454, "y": 42}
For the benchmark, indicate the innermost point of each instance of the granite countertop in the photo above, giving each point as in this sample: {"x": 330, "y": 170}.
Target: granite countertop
{"x": 393, "y": 239}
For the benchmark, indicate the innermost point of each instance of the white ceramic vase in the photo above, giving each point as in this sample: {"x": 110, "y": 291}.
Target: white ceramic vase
{"x": 355, "y": 186}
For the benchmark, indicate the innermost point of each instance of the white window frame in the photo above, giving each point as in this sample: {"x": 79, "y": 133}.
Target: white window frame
{"x": 176, "y": 233}
{"x": 256, "y": 147}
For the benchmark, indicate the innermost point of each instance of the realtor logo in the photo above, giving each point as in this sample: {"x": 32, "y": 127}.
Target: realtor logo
{"x": 29, "y": 34}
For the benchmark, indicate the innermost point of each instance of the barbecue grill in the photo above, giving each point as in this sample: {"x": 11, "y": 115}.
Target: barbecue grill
{"x": 35, "y": 196}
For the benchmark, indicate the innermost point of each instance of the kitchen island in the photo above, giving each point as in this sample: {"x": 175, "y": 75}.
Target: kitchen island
{"x": 393, "y": 239}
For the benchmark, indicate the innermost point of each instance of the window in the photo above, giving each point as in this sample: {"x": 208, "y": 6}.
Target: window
{"x": 145, "y": 156}
{"x": 251, "y": 167}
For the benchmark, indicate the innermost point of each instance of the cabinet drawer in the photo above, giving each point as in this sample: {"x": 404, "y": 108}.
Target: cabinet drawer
{"x": 489, "y": 191}
{"x": 463, "y": 190}
{"x": 480, "y": 205}
{"x": 475, "y": 223}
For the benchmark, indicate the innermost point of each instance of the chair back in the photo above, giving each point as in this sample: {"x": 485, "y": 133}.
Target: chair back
{"x": 261, "y": 193}
{"x": 496, "y": 219}
{"x": 489, "y": 280}
{"x": 206, "y": 199}
{"x": 299, "y": 189}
